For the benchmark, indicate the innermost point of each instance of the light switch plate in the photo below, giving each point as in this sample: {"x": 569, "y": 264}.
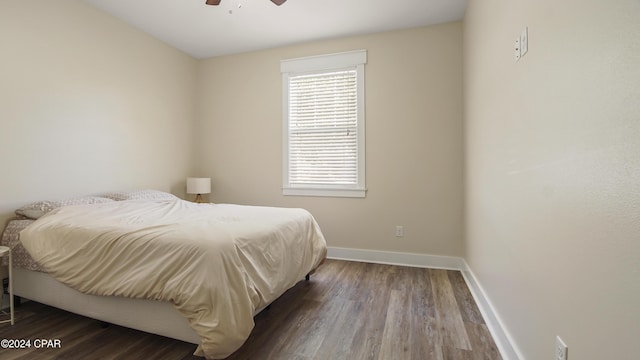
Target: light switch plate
{"x": 524, "y": 41}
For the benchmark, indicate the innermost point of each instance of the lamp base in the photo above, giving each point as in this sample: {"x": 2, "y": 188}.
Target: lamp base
{"x": 199, "y": 199}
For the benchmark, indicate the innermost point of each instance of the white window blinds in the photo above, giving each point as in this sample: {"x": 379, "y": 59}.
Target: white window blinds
{"x": 323, "y": 147}
{"x": 323, "y": 117}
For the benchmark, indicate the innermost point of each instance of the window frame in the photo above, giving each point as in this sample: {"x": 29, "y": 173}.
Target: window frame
{"x": 352, "y": 60}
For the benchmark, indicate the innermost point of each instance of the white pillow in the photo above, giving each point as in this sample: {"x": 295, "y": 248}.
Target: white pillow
{"x": 36, "y": 209}
{"x": 140, "y": 195}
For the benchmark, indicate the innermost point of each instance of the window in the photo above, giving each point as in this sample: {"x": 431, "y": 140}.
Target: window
{"x": 323, "y": 129}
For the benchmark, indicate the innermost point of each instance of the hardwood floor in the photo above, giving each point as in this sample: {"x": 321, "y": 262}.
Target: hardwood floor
{"x": 348, "y": 310}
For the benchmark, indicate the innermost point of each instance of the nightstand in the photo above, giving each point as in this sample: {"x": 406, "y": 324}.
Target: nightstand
{"x": 6, "y": 251}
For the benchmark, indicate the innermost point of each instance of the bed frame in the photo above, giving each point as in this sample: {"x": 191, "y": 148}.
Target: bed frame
{"x": 157, "y": 317}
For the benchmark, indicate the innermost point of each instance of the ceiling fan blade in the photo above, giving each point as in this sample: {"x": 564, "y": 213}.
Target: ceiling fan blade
{"x": 217, "y": 2}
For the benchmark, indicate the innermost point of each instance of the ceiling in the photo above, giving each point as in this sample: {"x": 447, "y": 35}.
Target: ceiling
{"x": 237, "y": 26}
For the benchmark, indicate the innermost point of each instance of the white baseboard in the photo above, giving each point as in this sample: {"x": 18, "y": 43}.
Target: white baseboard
{"x": 396, "y": 258}
{"x": 500, "y": 335}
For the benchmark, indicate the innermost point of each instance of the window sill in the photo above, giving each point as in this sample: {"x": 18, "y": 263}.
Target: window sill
{"x": 352, "y": 193}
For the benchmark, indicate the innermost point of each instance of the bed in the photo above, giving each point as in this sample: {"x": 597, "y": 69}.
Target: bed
{"x": 150, "y": 261}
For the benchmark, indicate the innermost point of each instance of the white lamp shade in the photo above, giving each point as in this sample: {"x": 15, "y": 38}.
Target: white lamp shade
{"x": 198, "y": 185}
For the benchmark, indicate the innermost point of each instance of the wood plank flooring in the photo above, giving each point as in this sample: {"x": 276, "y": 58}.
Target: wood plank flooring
{"x": 348, "y": 310}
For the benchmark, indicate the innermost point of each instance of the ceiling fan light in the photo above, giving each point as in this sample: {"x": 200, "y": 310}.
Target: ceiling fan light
{"x": 278, "y": 2}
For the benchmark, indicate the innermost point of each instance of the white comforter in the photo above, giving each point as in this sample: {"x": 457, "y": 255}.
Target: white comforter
{"x": 217, "y": 264}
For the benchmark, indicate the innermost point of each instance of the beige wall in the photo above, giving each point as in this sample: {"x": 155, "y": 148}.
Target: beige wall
{"x": 553, "y": 172}
{"x": 413, "y": 137}
{"x": 552, "y": 168}
{"x": 88, "y": 104}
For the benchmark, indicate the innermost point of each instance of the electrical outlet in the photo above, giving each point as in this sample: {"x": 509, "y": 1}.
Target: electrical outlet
{"x": 562, "y": 349}
{"x": 399, "y": 231}
{"x": 517, "y": 48}
{"x": 524, "y": 41}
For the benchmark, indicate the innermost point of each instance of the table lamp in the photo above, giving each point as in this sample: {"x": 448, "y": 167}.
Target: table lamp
{"x": 198, "y": 186}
